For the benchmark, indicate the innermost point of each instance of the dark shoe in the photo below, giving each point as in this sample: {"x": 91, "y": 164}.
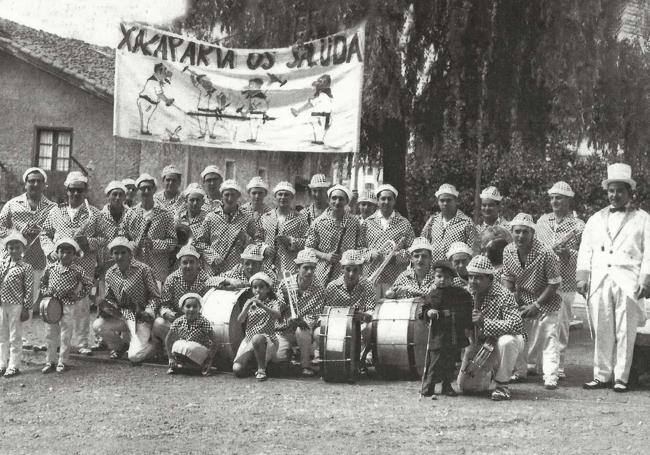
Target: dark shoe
{"x": 596, "y": 384}
{"x": 516, "y": 379}
{"x": 501, "y": 393}
{"x": 2, "y": 371}
{"x": 117, "y": 354}
{"x": 11, "y": 372}
{"x": 48, "y": 368}
{"x": 620, "y": 386}
{"x": 448, "y": 390}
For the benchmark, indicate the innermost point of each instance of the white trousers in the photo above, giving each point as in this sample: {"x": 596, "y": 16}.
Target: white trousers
{"x": 300, "y": 337}
{"x": 60, "y": 335}
{"x": 615, "y": 317}
{"x": 194, "y": 351}
{"x": 508, "y": 349}
{"x": 563, "y": 324}
{"x": 542, "y": 347}
{"x": 81, "y": 323}
{"x": 11, "y": 336}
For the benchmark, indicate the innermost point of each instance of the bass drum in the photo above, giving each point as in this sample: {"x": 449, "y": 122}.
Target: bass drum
{"x": 339, "y": 342}
{"x": 399, "y": 339}
{"x": 50, "y": 309}
{"x": 221, "y": 308}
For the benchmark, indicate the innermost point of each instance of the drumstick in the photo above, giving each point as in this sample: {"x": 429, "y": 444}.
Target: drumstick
{"x": 425, "y": 370}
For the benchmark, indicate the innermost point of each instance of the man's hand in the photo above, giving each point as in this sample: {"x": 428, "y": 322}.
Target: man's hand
{"x": 169, "y": 316}
{"x": 374, "y": 255}
{"x": 563, "y": 253}
{"x": 146, "y": 243}
{"x": 433, "y": 314}
{"x": 530, "y": 311}
{"x": 269, "y": 252}
{"x": 169, "y": 101}
{"x": 642, "y": 292}
{"x": 582, "y": 287}
{"x": 53, "y": 257}
{"x": 333, "y": 258}
{"x": 477, "y": 318}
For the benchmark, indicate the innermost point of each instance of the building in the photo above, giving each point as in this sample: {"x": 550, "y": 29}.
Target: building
{"x": 634, "y": 22}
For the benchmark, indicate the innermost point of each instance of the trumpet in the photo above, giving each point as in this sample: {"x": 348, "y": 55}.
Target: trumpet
{"x": 566, "y": 238}
{"x": 389, "y": 249}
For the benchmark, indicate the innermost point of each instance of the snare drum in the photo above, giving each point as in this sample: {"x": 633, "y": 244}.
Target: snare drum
{"x": 50, "y": 309}
{"x": 221, "y": 308}
{"x": 399, "y": 339}
{"x": 339, "y": 341}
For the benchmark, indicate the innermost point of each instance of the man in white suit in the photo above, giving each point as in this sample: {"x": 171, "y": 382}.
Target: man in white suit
{"x": 614, "y": 265}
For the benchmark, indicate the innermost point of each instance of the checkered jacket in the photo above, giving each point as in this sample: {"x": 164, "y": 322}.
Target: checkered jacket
{"x": 176, "y": 286}
{"x": 128, "y": 226}
{"x": 398, "y": 228}
{"x": 258, "y": 321}
{"x": 173, "y": 205}
{"x": 459, "y": 229}
{"x": 407, "y": 285}
{"x": 550, "y": 231}
{"x": 500, "y": 312}
{"x": 308, "y": 306}
{"x": 541, "y": 269}
{"x": 163, "y": 235}
{"x": 499, "y": 222}
{"x": 256, "y": 214}
{"x": 238, "y": 272}
{"x": 200, "y": 331}
{"x": 17, "y": 281}
{"x": 136, "y": 289}
{"x": 17, "y": 214}
{"x": 295, "y": 226}
{"x": 324, "y": 235}
{"x": 361, "y": 297}
{"x": 312, "y": 213}
{"x": 210, "y": 205}
{"x": 68, "y": 284}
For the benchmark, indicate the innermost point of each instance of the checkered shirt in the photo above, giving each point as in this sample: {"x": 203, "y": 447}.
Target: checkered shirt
{"x": 407, "y": 285}
{"x": 295, "y": 226}
{"x": 238, "y": 272}
{"x": 324, "y": 235}
{"x": 541, "y": 269}
{"x": 312, "y": 213}
{"x": 549, "y": 232}
{"x": 194, "y": 224}
{"x": 68, "y": 284}
{"x": 256, "y": 214}
{"x": 17, "y": 214}
{"x": 398, "y": 227}
{"x": 200, "y": 331}
{"x": 500, "y": 221}
{"x": 17, "y": 281}
{"x": 210, "y": 205}
{"x": 138, "y": 284}
{"x": 175, "y": 286}
{"x": 128, "y": 226}
{"x": 308, "y": 307}
{"x": 58, "y": 224}
{"x": 361, "y": 297}
{"x": 459, "y": 229}
{"x": 163, "y": 235}
{"x": 500, "y": 312}
{"x": 173, "y": 205}
{"x": 258, "y": 321}
{"x": 459, "y": 282}
{"x": 218, "y": 237}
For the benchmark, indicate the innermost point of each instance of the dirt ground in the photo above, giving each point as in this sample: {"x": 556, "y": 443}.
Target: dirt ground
{"x": 111, "y": 407}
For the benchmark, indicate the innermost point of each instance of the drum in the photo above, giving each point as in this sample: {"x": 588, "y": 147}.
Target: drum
{"x": 221, "y": 308}
{"x": 399, "y": 339}
{"x": 641, "y": 354}
{"x": 50, "y": 309}
{"x": 339, "y": 342}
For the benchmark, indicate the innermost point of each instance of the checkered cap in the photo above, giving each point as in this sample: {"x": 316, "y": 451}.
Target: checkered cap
{"x": 480, "y": 264}
{"x": 211, "y": 169}
{"x": 114, "y": 185}
{"x": 368, "y": 196}
{"x": 491, "y": 192}
{"x": 386, "y": 187}
{"x": 523, "y": 219}
{"x": 75, "y": 177}
{"x": 342, "y": 188}
{"x": 170, "y": 169}
{"x": 420, "y": 243}
{"x": 121, "y": 241}
{"x": 319, "y": 181}
{"x": 562, "y": 188}
{"x": 14, "y": 236}
{"x": 446, "y": 188}
{"x": 190, "y": 295}
{"x": 284, "y": 186}
{"x": 69, "y": 242}
{"x": 253, "y": 252}
{"x": 261, "y": 276}
{"x": 188, "y": 250}
{"x": 193, "y": 188}
{"x": 127, "y": 182}
{"x": 146, "y": 178}
{"x": 229, "y": 184}
{"x": 458, "y": 247}
{"x": 306, "y": 256}
{"x": 31, "y": 170}
{"x": 257, "y": 182}
{"x": 352, "y": 257}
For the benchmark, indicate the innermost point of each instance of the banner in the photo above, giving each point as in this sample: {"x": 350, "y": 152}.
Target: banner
{"x": 304, "y": 98}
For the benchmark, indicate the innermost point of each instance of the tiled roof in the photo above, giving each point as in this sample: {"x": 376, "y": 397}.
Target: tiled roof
{"x": 90, "y": 67}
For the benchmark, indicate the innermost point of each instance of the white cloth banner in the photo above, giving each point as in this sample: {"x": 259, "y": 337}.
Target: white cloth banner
{"x": 305, "y": 98}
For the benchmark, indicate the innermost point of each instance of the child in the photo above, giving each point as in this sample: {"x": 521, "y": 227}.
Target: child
{"x": 16, "y": 281}
{"x": 448, "y": 309}
{"x": 191, "y": 342}
{"x": 68, "y": 282}
{"x": 259, "y": 314}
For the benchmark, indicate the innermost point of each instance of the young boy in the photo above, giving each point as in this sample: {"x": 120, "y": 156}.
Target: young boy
{"x": 448, "y": 309}
{"x": 191, "y": 342}
{"x": 68, "y": 282}
{"x": 16, "y": 281}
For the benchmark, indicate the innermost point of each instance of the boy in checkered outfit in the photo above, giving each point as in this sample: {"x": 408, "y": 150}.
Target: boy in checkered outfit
{"x": 68, "y": 282}
{"x": 16, "y": 291}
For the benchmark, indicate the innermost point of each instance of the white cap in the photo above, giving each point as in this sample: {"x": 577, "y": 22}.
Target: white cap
{"x": 193, "y": 188}
{"x": 352, "y": 257}
{"x": 491, "y": 192}
{"x": 252, "y": 252}
{"x": 70, "y": 242}
{"x": 75, "y": 177}
{"x": 146, "y": 178}
{"x": 284, "y": 186}
{"x": 127, "y": 182}
{"x": 458, "y": 247}
{"x": 121, "y": 241}
{"x": 562, "y": 188}
{"x": 342, "y": 188}
{"x": 189, "y": 295}
{"x": 386, "y": 187}
{"x": 188, "y": 250}
{"x": 368, "y": 196}
{"x": 306, "y": 256}
{"x": 446, "y": 188}
{"x": 14, "y": 236}
{"x": 619, "y": 172}
{"x": 523, "y": 219}
{"x": 31, "y": 170}
{"x": 319, "y": 181}
{"x": 229, "y": 184}
{"x": 170, "y": 169}
{"x": 114, "y": 185}
{"x": 480, "y": 264}
{"x": 420, "y": 243}
{"x": 261, "y": 276}
{"x": 211, "y": 169}
{"x": 257, "y": 182}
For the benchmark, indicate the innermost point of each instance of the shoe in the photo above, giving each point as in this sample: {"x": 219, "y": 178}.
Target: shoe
{"x": 620, "y": 386}
{"x": 596, "y": 384}
{"x": 307, "y": 373}
{"x": 448, "y": 390}
{"x": 550, "y": 384}
{"x": 561, "y": 375}
{"x": 61, "y": 368}
{"x": 11, "y": 372}
{"x": 206, "y": 371}
{"x": 85, "y": 351}
{"x": 48, "y": 368}
{"x": 515, "y": 379}
{"x": 117, "y": 354}
{"x": 501, "y": 393}
{"x": 261, "y": 375}
{"x": 98, "y": 347}
{"x": 171, "y": 370}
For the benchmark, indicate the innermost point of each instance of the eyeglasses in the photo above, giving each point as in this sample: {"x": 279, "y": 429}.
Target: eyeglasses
{"x": 76, "y": 190}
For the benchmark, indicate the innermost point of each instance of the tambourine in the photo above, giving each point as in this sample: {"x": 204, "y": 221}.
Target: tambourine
{"x": 50, "y": 309}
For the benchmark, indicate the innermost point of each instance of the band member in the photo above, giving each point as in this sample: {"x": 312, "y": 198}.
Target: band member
{"x": 170, "y": 197}
{"x": 387, "y": 225}
{"x": 257, "y": 191}
{"x": 226, "y": 231}
{"x": 68, "y": 282}
{"x": 308, "y": 304}
{"x": 212, "y": 180}
{"x": 284, "y": 230}
{"x": 318, "y": 187}
{"x": 191, "y": 342}
{"x": 497, "y": 317}
{"x": 448, "y": 309}
{"x": 121, "y": 220}
{"x": 154, "y": 247}
{"x": 192, "y": 214}
{"x": 332, "y": 233}
{"x": 490, "y": 205}
{"x": 493, "y": 240}
{"x": 531, "y": 271}
{"x": 450, "y": 225}
{"x": 131, "y": 192}
{"x": 561, "y": 231}
{"x": 614, "y": 267}
{"x": 27, "y": 213}
{"x": 239, "y": 276}
{"x": 16, "y": 297}
{"x": 260, "y": 341}
{"x": 367, "y": 204}
{"x": 86, "y": 225}
{"x": 459, "y": 255}
{"x": 186, "y": 279}
{"x": 417, "y": 280}
{"x": 152, "y": 94}
{"x": 321, "y": 108}
{"x": 132, "y": 297}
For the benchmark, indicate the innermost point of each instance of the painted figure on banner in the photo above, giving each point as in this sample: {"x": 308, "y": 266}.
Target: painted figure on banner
{"x": 211, "y": 102}
{"x": 321, "y": 108}
{"x": 254, "y": 107}
{"x": 152, "y": 94}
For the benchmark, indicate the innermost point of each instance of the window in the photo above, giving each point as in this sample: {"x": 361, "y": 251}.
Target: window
{"x": 262, "y": 173}
{"x": 230, "y": 169}
{"x": 53, "y": 149}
